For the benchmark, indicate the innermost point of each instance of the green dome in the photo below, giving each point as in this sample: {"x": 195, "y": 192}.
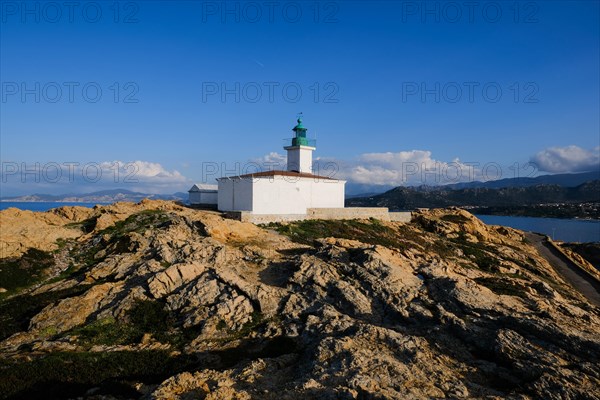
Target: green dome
{"x": 300, "y": 138}
{"x": 299, "y": 126}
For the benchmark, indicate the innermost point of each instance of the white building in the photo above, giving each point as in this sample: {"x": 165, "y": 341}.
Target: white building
{"x": 293, "y": 191}
{"x": 203, "y": 195}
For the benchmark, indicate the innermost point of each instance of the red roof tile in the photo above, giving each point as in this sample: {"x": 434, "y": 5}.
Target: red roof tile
{"x": 283, "y": 173}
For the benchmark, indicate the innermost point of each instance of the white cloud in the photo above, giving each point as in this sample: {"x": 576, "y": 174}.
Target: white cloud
{"x": 416, "y": 167}
{"x": 567, "y": 159}
{"x": 60, "y": 178}
{"x": 141, "y": 171}
{"x": 271, "y": 161}
{"x": 420, "y": 167}
{"x": 395, "y": 159}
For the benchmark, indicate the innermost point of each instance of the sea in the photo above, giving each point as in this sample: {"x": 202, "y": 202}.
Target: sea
{"x": 42, "y": 205}
{"x": 566, "y": 230}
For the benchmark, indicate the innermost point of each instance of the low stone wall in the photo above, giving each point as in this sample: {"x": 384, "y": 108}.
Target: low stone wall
{"x": 401, "y": 216}
{"x": 246, "y": 216}
{"x": 380, "y": 213}
{"x": 203, "y": 206}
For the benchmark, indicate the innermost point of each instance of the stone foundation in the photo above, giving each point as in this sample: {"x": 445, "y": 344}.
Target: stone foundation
{"x": 380, "y": 213}
{"x": 400, "y": 216}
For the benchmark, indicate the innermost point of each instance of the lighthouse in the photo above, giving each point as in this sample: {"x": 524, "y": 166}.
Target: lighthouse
{"x": 283, "y": 195}
{"x": 287, "y": 195}
{"x": 299, "y": 154}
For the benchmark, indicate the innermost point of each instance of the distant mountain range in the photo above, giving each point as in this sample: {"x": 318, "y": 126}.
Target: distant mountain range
{"x": 564, "y": 180}
{"x": 103, "y": 196}
{"x": 429, "y": 197}
{"x": 582, "y": 201}
{"x": 504, "y": 192}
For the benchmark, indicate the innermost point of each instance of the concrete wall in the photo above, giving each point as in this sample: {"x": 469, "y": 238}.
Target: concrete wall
{"x": 279, "y": 194}
{"x": 380, "y": 213}
{"x": 294, "y": 195}
{"x": 299, "y": 158}
{"x": 225, "y": 194}
{"x": 209, "y": 197}
{"x": 328, "y": 194}
{"x": 402, "y": 216}
{"x": 235, "y": 194}
{"x": 246, "y": 216}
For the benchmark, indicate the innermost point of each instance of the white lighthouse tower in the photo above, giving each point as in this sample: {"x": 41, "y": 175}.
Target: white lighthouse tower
{"x": 283, "y": 195}
{"x": 299, "y": 154}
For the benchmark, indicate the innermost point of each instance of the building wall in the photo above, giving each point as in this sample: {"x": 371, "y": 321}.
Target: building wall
{"x": 279, "y": 194}
{"x": 234, "y": 194}
{"x": 293, "y": 195}
{"x": 203, "y": 197}
{"x": 194, "y": 197}
{"x": 299, "y": 158}
{"x": 328, "y": 194}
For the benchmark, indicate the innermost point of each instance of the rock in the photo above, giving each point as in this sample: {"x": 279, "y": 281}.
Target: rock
{"x": 443, "y": 307}
{"x": 173, "y": 278}
{"x": 453, "y": 221}
{"x": 73, "y": 213}
{"x": 208, "y": 385}
{"x": 58, "y": 346}
{"x": 544, "y": 289}
{"x": 74, "y": 311}
{"x": 104, "y": 221}
{"x": 23, "y": 230}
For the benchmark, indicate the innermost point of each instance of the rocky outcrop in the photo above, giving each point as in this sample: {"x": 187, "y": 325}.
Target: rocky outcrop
{"x": 73, "y": 311}
{"x": 443, "y": 307}
{"x": 22, "y": 230}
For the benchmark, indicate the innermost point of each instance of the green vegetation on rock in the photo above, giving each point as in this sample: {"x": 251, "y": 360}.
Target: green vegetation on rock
{"x": 502, "y": 286}
{"x": 22, "y": 272}
{"x": 68, "y": 374}
{"x": 145, "y": 317}
{"x": 16, "y": 312}
{"x": 370, "y": 232}
{"x": 138, "y": 222}
{"x": 478, "y": 252}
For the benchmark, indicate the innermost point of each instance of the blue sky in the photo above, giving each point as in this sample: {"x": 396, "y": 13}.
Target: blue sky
{"x": 381, "y": 84}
